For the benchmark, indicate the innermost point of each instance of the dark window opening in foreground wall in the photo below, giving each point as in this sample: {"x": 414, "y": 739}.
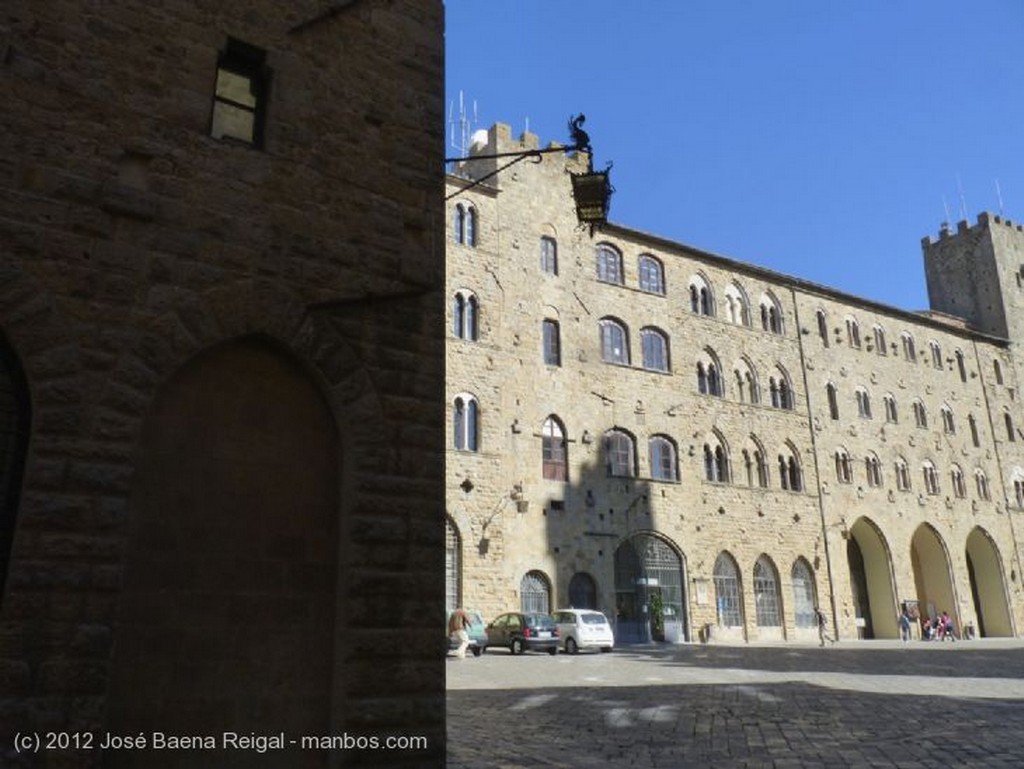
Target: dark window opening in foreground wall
{"x": 240, "y": 94}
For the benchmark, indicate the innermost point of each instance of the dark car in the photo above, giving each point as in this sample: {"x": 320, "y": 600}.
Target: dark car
{"x": 522, "y": 631}
{"x": 477, "y": 635}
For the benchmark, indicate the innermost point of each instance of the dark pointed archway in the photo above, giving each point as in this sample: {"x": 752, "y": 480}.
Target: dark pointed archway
{"x": 870, "y": 565}
{"x": 227, "y": 611}
{"x": 988, "y": 589}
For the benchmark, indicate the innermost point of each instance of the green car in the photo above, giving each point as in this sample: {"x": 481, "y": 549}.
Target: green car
{"x": 477, "y": 634}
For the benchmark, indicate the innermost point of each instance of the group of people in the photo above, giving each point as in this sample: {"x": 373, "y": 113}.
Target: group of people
{"x": 938, "y": 628}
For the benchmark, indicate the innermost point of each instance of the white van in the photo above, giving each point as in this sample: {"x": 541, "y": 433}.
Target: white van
{"x": 584, "y": 629}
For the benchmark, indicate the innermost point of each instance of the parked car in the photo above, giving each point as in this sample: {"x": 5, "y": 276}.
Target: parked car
{"x": 584, "y": 629}
{"x": 477, "y": 634}
{"x": 523, "y": 631}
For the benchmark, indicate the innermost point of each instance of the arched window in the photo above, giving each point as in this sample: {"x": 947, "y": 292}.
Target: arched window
{"x": 652, "y": 275}
{"x": 880, "y": 347}
{"x": 727, "y": 591}
{"x": 805, "y": 597}
{"x": 465, "y": 315}
{"x": 746, "y": 382}
{"x": 890, "y": 408}
{"x": 981, "y": 484}
{"x": 716, "y": 460}
{"x": 662, "y": 452}
{"x": 822, "y": 327}
{"x": 654, "y": 347}
{"x": 620, "y": 454}
{"x": 609, "y": 265}
{"x": 553, "y": 450}
{"x": 535, "y": 593}
{"x": 755, "y": 464}
{"x": 549, "y": 255}
{"x": 702, "y": 301}
{"x": 961, "y": 365}
{"x": 844, "y": 473}
{"x": 452, "y": 566}
{"x": 771, "y": 314}
{"x": 709, "y": 375}
{"x": 766, "y": 593}
{"x": 465, "y": 423}
{"x": 737, "y": 306}
{"x": 582, "y": 591}
{"x": 902, "y": 474}
{"x": 956, "y": 476}
{"x": 863, "y": 403}
{"x": 853, "y": 332}
{"x": 781, "y": 390}
{"x": 614, "y": 344}
{"x": 790, "y": 475}
{"x": 471, "y": 226}
{"x": 948, "y": 425}
{"x": 931, "y": 477}
{"x": 909, "y": 350}
{"x": 1018, "y": 487}
{"x": 833, "y": 400}
{"x": 551, "y": 341}
{"x": 873, "y": 470}
{"x": 936, "y": 354}
{"x": 459, "y": 223}
{"x": 973, "y": 424}
{"x": 920, "y": 414}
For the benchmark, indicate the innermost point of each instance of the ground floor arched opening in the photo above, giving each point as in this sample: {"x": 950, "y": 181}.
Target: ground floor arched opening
{"x": 870, "y": 566}
{"x": 932, "y": 578}
{"x": 650, "y": 591}
{"x": 988, "y": 589}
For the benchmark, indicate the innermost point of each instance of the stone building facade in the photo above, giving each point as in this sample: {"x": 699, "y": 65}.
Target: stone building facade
{"x": 221, "y": 379}
{"x": 707, "y": 449}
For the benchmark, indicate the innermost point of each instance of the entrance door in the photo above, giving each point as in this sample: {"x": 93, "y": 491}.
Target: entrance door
{"x": 859, "y": 589}
{"x": 650, "y": 599}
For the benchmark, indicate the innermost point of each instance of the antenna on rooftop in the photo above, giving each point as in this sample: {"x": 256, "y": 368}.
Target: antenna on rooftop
{"x": 945, "y": 207}
{"x": 999, "y": 197}
{"x": 963, "y": 203}
{"x": 460, "y": 128}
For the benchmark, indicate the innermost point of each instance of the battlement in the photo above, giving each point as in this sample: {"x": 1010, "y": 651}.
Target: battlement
{"x": 985, "y": 220}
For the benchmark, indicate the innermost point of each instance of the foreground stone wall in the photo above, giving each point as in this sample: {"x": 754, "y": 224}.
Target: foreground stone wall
{"x": 133, "y": 244}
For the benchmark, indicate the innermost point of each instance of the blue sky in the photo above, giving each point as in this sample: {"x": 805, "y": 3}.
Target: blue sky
{"x": 820, "y": 139}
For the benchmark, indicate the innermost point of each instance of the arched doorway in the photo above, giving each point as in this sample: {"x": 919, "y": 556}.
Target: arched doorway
{"x": 227, "y": 610}
{"x": 932, "y": 579}
{"x": 870, "y": 566}
{"x": 650, "y": 596}
{"x": 15, "y": 419}
{"x": 985, "y": 570}
{"x": 582, "y": 591}
{"x": 535, "y": 593}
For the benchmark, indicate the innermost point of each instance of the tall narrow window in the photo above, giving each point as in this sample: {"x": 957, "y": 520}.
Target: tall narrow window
{"x": 853, "y": 333}
{"x": 240, "y": 94}
{"x": 766, "y": 594}
{"x": 873, "y": 470}
{"x": 880, "y": 347}
{"x": 552, "y": 343}
{"x": 553, "y": 454}
{"x": 663, "y": 459}
{"x": 804, "y": 595}
{"x": 890, "y": 409}
{"x": 981, "y": 482}
{"x": 909, "y": 350}
{"x": 959, "y": 486}
{"x": 614, "y": 348}
{"x": 465, "y": 423}
{"x": 998, "y": 370}
{"x": 1010, "y": 432}
{"x": 920, "y": 415}
{"x": 465, "y": 312}
{"x": 863, "y": 403}
{"x": 961, "y": 365}
{"x": 931, "y": 478}
{"x": 936, "y": 355}
{"x": 702, "y": 302}
{"x": 948, "y": 426}
{"x": 833, "y": 401}
{"x": 471, "y": 228}
{"x": 843, "y": 470}
{"x": 727, "y": 591}
{"x": 771, "y": 315}
{"x": 549, "y": 255}
{"x": 902, "y": 475}
{"x": 822, "y": 327}
{"x": 620, "y": 453}
{"x": 973, "y": 424}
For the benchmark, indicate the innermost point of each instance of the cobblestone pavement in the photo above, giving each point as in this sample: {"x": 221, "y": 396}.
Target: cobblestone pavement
{"x": 868, "y": 704}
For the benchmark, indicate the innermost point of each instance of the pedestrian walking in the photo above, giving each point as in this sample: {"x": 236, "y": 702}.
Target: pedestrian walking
{"x": 905, "y": 625}
{"x": 822, "y": 620}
